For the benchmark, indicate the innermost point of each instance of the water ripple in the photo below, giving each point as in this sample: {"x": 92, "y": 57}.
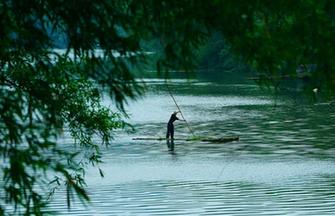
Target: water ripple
{"x": 282, "y": 165}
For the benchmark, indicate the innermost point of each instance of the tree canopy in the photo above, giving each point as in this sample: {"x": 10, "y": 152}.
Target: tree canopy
{"x": 276, "y": 38}
{"x": 46, "y": 91}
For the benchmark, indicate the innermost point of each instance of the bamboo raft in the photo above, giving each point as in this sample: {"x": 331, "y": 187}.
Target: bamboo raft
{"x": 201, "y": 139}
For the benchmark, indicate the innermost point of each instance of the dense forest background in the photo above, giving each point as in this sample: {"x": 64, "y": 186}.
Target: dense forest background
{"x": 214, "y": 60}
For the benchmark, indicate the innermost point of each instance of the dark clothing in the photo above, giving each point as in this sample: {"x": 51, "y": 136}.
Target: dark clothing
{"x": 170, "y": 127}
{"x": 173, "y": 118}
{"x": 170, "y": 130}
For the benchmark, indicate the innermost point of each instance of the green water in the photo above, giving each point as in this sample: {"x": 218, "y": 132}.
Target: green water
{"x": 282, "y": 165}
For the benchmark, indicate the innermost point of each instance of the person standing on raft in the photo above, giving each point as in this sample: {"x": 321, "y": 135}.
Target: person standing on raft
{"x": 170, "y": 127}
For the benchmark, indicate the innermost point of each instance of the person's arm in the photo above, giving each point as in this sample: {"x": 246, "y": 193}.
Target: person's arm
{"x": 180, "y": 119}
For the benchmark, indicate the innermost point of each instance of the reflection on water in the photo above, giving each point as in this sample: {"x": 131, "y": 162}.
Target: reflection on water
{"x": 170, "y": 145}
{"x": 282, "y": 165}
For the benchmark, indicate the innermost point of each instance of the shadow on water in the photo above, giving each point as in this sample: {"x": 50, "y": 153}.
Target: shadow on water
{"x": 170, "y": 145}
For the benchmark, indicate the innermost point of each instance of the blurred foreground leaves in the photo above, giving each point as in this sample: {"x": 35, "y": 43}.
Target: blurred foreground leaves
{"x": 48, "y": 93}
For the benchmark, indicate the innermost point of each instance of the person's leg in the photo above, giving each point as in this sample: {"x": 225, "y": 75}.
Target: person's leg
{"x": 172, "y": 131}
{"x": 167, "y": 131}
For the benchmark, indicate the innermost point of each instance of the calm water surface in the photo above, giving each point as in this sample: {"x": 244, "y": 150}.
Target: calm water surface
{"x": 284, "y": 163}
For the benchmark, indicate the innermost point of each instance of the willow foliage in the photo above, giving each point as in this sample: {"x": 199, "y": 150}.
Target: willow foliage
{"x": 46, "y": 91}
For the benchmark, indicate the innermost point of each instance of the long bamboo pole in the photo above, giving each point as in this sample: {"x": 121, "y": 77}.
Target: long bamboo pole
{"x": 175, "y": 102}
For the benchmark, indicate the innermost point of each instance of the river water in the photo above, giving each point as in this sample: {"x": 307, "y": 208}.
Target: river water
{"x": 283, "y": 164}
